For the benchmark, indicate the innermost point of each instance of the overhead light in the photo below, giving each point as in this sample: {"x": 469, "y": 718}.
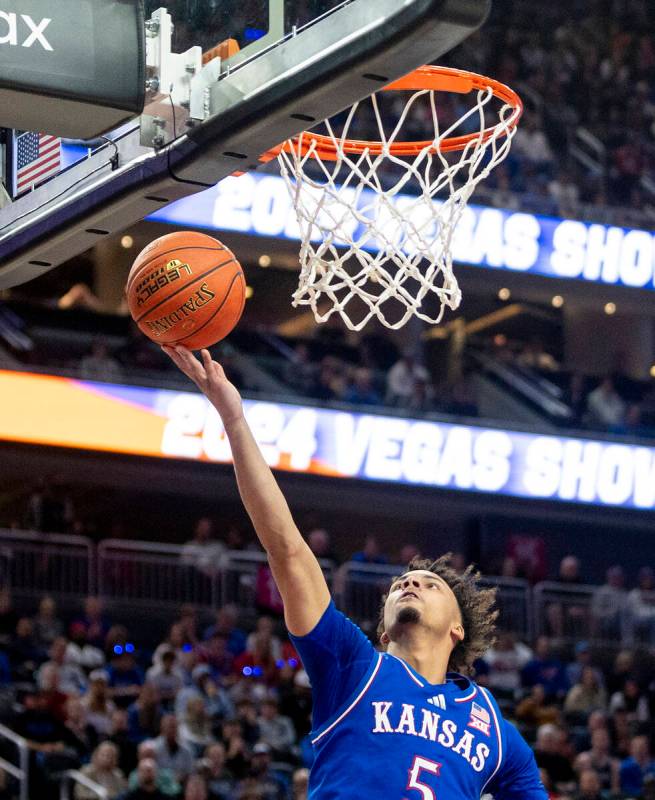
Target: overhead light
{"x": 249, "y": 292}
{"x": 652, "y": 371}
{"x": 127, "y": 242}
{"x": 504, "y": 294}
{"x": 557, "y": 301}
{"x": 264, "y": 261}
{"x": 500, "y": 340}
{"x": 610, "y": 308}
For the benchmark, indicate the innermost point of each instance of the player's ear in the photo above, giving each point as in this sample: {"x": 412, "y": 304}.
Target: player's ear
{"x": 384, "y": 639}
{"x": 457, "y": 632}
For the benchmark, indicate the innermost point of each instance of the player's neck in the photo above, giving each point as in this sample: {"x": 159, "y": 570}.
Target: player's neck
{"x": 423, "y": 654}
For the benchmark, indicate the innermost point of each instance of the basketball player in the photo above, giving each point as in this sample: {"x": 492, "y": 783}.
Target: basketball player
{"x": 399, "y": 724}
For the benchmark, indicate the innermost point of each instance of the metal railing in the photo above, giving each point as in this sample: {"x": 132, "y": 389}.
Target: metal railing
{"x": 150, "y": 574}
{"x": 73, "y": 776}
{"x": 20, "y": 772}
{"x": 52, "y": 563}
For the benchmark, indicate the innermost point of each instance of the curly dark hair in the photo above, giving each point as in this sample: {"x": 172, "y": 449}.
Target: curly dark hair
{"x": 476, "y": 606}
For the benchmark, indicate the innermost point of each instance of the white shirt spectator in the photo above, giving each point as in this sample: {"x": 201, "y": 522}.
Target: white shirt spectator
{"x": 401, "y": 378}
{"x": 604, "y": 405}
{"x": 505, "y": 666}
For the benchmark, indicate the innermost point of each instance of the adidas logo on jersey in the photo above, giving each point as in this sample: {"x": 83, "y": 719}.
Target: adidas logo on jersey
{"x": 438, "y": 700}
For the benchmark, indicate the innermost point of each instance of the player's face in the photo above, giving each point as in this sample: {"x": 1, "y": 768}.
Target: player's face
{"x": 421, "y": 597}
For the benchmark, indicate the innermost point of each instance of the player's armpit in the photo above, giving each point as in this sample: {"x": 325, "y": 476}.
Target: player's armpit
{"x": 305, "y": 593}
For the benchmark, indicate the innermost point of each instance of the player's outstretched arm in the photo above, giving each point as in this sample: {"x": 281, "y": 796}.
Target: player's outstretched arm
{"x": 295, "y": 568}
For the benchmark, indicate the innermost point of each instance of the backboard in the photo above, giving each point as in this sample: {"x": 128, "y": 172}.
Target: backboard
{"x": 227, "y": 81}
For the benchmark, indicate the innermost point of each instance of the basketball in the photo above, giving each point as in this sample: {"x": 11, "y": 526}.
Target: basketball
{"x": 186, "y": 288}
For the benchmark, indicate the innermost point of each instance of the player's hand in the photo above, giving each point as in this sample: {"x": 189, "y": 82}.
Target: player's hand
{"x": 209, "y": 377}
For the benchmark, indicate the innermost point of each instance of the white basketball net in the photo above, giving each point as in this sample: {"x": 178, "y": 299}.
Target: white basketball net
{"x": 370, "y": 250}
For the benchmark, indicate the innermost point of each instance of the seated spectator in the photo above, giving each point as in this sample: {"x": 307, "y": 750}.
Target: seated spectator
{"x": 144, "y": 715}
{"x": 125, "y": 677}
{"x": 146, "y": 788}
{"x": 300, "y": 784}
{"x": 608, "y": 605}
{"x": 98, "y": 704}
{"x": 203, "y": 551}
{"x": 259, "y": 662}
{"x": 506, "y": 659}
{"x": 195, "y": 731}
{"x": 50, "y": 687}
{"x": 586, "y": 695}
{"x": 220, "y": 781}
{"x": 276, "y": 730}
{"x": 547, "y": 670}
{"x": 401, "y": 379}
{"x": 165, "y": 780}
{"x": 582, "y": 660}
{"x": 533, "y": 710}
{"x": 247, "y": 716}
{"x": 170, "y": 753}
{"x": 25, "y": 655}
{"x": 196, "y": 788}
{"x": 226, "y": 624}
{"x": 269, "y": 784}
{"x": 370, "y": 553}
{"x": 602, "y": 761}
{"x": 422, "y": 397}
{"x": 214, "y": 652}
{"x": 549, "y": 757}
{"x": 119, "y": 735}
{"x": 320, "y": 544}
{"x": 237, "y": 758}
{"x": 589, "y": 786}
{"x": 621, "y": 733}
{"x": 95, "y": 622}
{"x": 80, "y": 652}
{"x": 264, "y": 629}
{"x": 215, "y": 699}
{"x": 103, "y": 770}
{"x": 46, "y": 625}
{"x": 166, "y": 676}
{"x": 83, "y": 737}
{"x": 640, "y": 606}
{"x": 534, "y": 356}
{"x": 361, "y": 390}
{"x": 605, "y": 408}
{"x": 71, "y": 678}
{"x": 99, "y": 365}
{"x": 631, "y": 700}
{"x": 636, "y": 767}
{"x": 176, "y": 641}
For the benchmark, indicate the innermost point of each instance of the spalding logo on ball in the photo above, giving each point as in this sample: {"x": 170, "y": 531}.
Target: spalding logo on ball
{"x": 186, "y": 288}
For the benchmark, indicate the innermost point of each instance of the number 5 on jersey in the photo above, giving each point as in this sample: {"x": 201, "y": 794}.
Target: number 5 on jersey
{"x": 422, "y": 765}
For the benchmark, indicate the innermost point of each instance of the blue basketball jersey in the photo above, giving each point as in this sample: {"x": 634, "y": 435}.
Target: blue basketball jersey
{"x": 398, "y": 737}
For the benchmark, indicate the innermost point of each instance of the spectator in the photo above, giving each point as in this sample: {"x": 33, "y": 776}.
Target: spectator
{"x": 300, "y": 784}
{"x": 49, "y": 686}
{"x": 146, "y": 788}
{"x": 196, "y": 788}
{"x": 215, "y": 653}
{"x": 196, "y": 730}
{"x": 220, "y": 780}
{"x": 144, "y": 715}
{"x": 530, "y": 143}
{"x": 608, "y": 605}
{"x": 103, "y": 770}
{"x": 170, "y": 753}
{"x": 80, "y": 652}
{"x": 99, "y": 365}
{"x": 640, "y": 606}
{"x": 177, "y": 642}
{"x": 215, "y": 699}
{"x": 24, "y": 654}
{"x": 95, "y": 622}
{"x": 119, "y": 735}
{"x": 203, "y": 551}
{"x": 8, "y": 617}
{"x": 269, "y": 784}
{"x": 638, "y": 766}
{"x": 260, "y": 661}
{"x": 370, "y": 553}
{"x": 590, "y": 786}
{"x": 71, "y": 678}
{"x": 236, "y": 751}
{"x": 276, "y": 730}
{"x": 361, "y": 390}
{"x": 98, "y": 704}
{"x": 165, "y": 676}
{"x": 320, "y": 544}
{"x": 506, "y": 659}
{"x": 125, "y": 677}
{"x": 165, "y": 780}
{"x": 300, "y": 372}
{"x": 549, "y": 757}
{"x": 601, "y": 760}
{"x": 533, "y": 710}
{"x": 47, "y": 626}
{"x": 402, "y": 377}
{"x": 264, "y": 630}
{"x": 547, "y": 670}
{"x": 605, "y": 409}
{"x": 631, "y": 700}
{"x": 82, "y": 737}
{"x": 534, "y": 356}
{"x": 226, "y": 624}
{"x": 582, "y": 660}
{"x": 587, "y": 694}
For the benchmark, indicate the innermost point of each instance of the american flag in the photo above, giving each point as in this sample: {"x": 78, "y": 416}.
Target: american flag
{"x": 37, "y": 157}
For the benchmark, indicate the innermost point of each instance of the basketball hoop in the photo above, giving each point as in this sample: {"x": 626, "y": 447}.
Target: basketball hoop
{"x": 370, "y": 249}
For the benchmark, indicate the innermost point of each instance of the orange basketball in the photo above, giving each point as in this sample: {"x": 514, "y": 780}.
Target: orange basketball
{"x": 186, "y": 288}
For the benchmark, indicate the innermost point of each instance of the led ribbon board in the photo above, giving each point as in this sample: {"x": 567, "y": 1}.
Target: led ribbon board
{"x": 486, "y": 237}
{"x": 339, "y": 444}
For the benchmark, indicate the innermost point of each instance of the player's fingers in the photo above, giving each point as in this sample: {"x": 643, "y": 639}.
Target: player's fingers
{"x": 188, "y": 363}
